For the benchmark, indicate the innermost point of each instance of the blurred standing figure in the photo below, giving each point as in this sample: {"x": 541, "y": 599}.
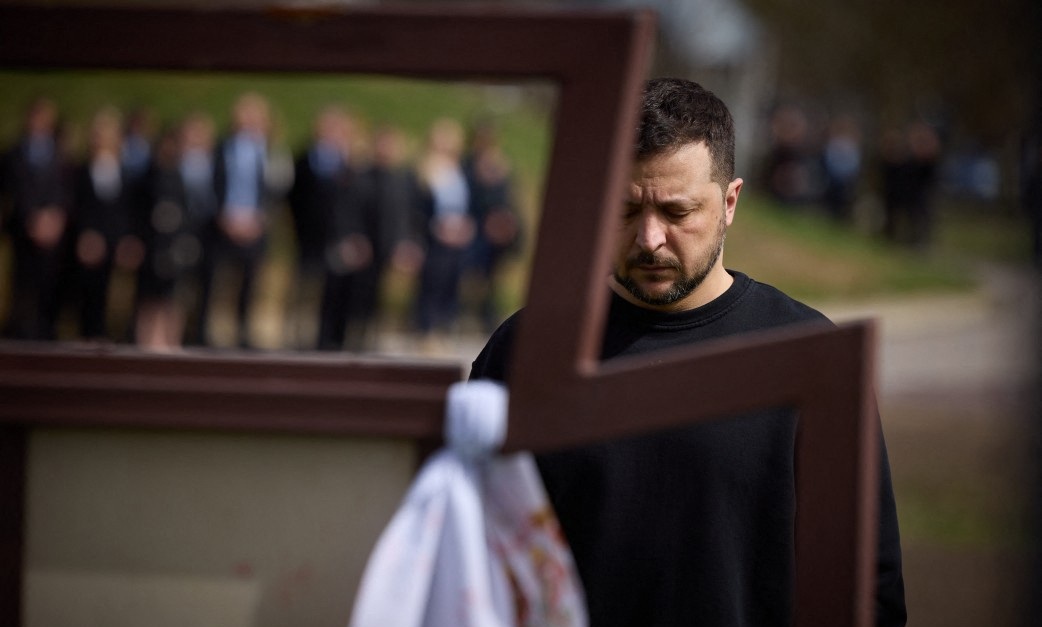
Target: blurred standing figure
{"x": 178, "y": 226}
{"x": 197, "y": 165}
{"x": 924, "y": 152}
{"x": 329, "y": 199}
{"x": 909, "y": 163}
{"x": 841, "y": 161}
{"x": 37, "y": 181}
{"x": 240, "y": 169}
{"x": 396, "y": 224}
{"x": 311, "y": 201}
{"x": 136, "y": 157}
{"x": 157, "y": 325}
{"x": 494, "y": 210}
{"x": 893, "y": 154}
{"x": 790, "y": 162}
{"x": 103, "y": 224}
{"x": 450, "y": 228}
{"x": 1031, "y": 190}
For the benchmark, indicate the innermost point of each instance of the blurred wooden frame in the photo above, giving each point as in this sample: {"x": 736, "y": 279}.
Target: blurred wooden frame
{"x": 560, "y": 393}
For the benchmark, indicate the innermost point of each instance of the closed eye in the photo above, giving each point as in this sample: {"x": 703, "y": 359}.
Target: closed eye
{"x": 678, "y": 212}
{"x": 630, "y": 210}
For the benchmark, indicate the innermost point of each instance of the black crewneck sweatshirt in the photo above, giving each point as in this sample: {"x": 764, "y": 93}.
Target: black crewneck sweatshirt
{"x": 694, "y": 525}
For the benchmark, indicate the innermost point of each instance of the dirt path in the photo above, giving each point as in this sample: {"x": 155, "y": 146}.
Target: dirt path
{"x": 957, "y": 380}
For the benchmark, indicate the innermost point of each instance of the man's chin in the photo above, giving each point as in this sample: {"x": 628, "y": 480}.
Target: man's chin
{"x": 655, "y": 293}
{"x": 652, "y": 294}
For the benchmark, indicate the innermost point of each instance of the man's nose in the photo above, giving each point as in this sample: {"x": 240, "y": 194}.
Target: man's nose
{"x": 651, "y": 232}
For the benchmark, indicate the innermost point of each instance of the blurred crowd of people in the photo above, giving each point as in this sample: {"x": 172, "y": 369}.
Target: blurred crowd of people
{"x": 174, "y": 208}
{"x": 826, "y": 163}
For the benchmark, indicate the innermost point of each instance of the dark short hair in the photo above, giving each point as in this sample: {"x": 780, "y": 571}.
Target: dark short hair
{"x": 676, "y": 112}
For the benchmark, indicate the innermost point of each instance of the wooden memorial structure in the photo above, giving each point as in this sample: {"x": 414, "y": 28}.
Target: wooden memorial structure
{"x": 598, "y": 62}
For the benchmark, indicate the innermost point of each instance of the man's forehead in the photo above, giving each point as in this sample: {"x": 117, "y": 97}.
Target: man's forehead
{"x": 673, "y": 149}
{"x": 689, "y": 164}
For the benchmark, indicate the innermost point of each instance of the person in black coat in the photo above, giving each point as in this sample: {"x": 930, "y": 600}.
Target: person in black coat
{"x": 37, "y": 185}
{"x": 323, "y": 175}
{"x": 396, "y": 225}
{"x": 177, "y": 229}
{"x": 492, "y": 203}
{"x": 332, "y": 203}
{"x": 103, "y": 224}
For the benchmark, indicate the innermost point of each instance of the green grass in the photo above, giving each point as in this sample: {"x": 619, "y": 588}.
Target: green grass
{"x": 955, "y": 518}
{"x": 994, "y": 232}
{"x": 959, "y": 471}
{"x": 811, "y": 257}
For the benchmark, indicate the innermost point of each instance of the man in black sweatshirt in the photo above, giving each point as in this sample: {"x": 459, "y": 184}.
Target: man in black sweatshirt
{"x": 689, "y": 526}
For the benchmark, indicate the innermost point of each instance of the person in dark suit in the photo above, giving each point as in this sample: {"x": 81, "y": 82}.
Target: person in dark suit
{"x": 332, "y": 204}
{"x": 180, "y": 221}
{"x": 37, "y": 184}
{"x": 492, "y": 203}
{"x": 240, "y": 168}
{"x": 395, "y": 223}
{"x": 320, "y": 174}
{"x": 102, "y": 224}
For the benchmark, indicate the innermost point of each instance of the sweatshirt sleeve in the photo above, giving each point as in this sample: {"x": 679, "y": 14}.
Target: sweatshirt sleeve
{"x": 890, "y": 590}
{"x": 493, "y": 362}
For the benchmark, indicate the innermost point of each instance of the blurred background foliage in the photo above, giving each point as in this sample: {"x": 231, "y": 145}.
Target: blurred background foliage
{"x": 973, "y": 62}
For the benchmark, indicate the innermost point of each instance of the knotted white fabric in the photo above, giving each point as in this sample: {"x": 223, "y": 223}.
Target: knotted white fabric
{"x": 475, "y": 542}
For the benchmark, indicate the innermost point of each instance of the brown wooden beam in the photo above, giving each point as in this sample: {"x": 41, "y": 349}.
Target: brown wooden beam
{"x": 334, "y": 395}
{"x": 825, "y": 373}
{"x": 431, "y": 40}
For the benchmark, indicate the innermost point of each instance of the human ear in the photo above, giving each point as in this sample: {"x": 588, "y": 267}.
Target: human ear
{"x": 734, "y": 188}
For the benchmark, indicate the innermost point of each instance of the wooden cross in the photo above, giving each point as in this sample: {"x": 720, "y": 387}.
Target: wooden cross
{"x": 598, "y": 62}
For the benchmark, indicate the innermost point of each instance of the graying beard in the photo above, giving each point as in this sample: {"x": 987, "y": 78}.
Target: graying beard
{"x": 679, "y": 289}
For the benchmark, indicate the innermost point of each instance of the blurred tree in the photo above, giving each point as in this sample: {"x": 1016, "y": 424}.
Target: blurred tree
{"x": 901, "y": 57}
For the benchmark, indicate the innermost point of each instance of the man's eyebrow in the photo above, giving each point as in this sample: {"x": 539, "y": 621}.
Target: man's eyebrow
{"x": 636, "y": 197}
{"x": 681, "y": 201}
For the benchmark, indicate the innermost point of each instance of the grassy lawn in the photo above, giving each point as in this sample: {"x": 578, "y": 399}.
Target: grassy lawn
{"x": 959, "y": 472}
{"x": 812, "y": 258}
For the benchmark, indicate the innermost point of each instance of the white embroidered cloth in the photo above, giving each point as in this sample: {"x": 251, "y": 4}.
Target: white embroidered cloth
{"x": 475, "y": 542}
